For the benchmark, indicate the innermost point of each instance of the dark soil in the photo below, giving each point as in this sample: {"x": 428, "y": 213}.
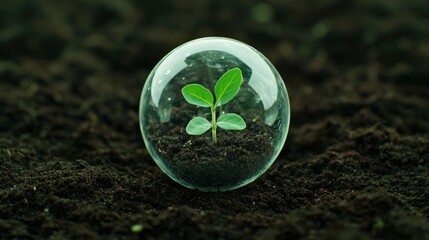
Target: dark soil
{"x": 73, "y": 164}
{"x": 237, "y": 156}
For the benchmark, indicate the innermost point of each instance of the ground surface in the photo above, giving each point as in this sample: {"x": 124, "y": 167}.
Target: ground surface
{"x": 73, "y": 164}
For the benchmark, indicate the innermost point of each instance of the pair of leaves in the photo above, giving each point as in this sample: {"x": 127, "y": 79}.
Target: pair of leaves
{"x": 229, "y": 121}
{"x": 225, "y": 90}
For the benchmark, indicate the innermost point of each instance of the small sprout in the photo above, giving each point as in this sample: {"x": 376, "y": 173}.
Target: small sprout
{"x": 262, "y": 13}
{"x": 136, "y": 228}
{"x": 225, "y": 90}
{"x": 378, "y": 224}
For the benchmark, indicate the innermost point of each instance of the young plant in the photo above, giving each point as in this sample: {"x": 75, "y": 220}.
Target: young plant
{"x": 225, "y": 90}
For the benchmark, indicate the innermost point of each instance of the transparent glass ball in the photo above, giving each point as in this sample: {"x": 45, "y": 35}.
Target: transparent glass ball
{"x": 238, "y": 157}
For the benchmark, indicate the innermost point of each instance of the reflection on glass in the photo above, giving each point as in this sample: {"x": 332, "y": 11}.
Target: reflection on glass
{"x": 241, "y": 157}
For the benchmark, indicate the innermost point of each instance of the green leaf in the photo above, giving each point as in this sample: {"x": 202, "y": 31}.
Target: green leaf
{"x": 198, "y": 95}
{"x": 198, "y": 126}
{"x": 231, "y": 121}
{"x": 228, "y": 85}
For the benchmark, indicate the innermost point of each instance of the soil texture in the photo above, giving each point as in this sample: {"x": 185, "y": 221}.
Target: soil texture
{"x": 237, "y": 156}
{"x": 73, "y": 164}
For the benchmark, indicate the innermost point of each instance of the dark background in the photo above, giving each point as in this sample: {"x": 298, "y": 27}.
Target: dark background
{"x": 355, "y": 164}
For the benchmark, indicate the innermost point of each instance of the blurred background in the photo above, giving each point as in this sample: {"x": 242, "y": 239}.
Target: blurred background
{"x": 301, "y": 37}
{"x": 82, "y": 48}
{"x": 93, "y": 56}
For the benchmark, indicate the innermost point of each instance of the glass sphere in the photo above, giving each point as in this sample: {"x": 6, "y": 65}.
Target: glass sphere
{"x": 239, "y": 156}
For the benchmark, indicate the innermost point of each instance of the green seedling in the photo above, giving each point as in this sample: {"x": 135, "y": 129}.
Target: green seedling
{"x": 225, "y": 90}
{"x": 136, "y": 228}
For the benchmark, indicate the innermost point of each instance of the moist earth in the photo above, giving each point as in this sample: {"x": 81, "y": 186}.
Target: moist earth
{"x": 73, "y": 164}
{"x": 237, "y": 157}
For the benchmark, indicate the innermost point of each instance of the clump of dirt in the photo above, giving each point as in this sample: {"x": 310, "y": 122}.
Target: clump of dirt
{"x": 201, "y": 164}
